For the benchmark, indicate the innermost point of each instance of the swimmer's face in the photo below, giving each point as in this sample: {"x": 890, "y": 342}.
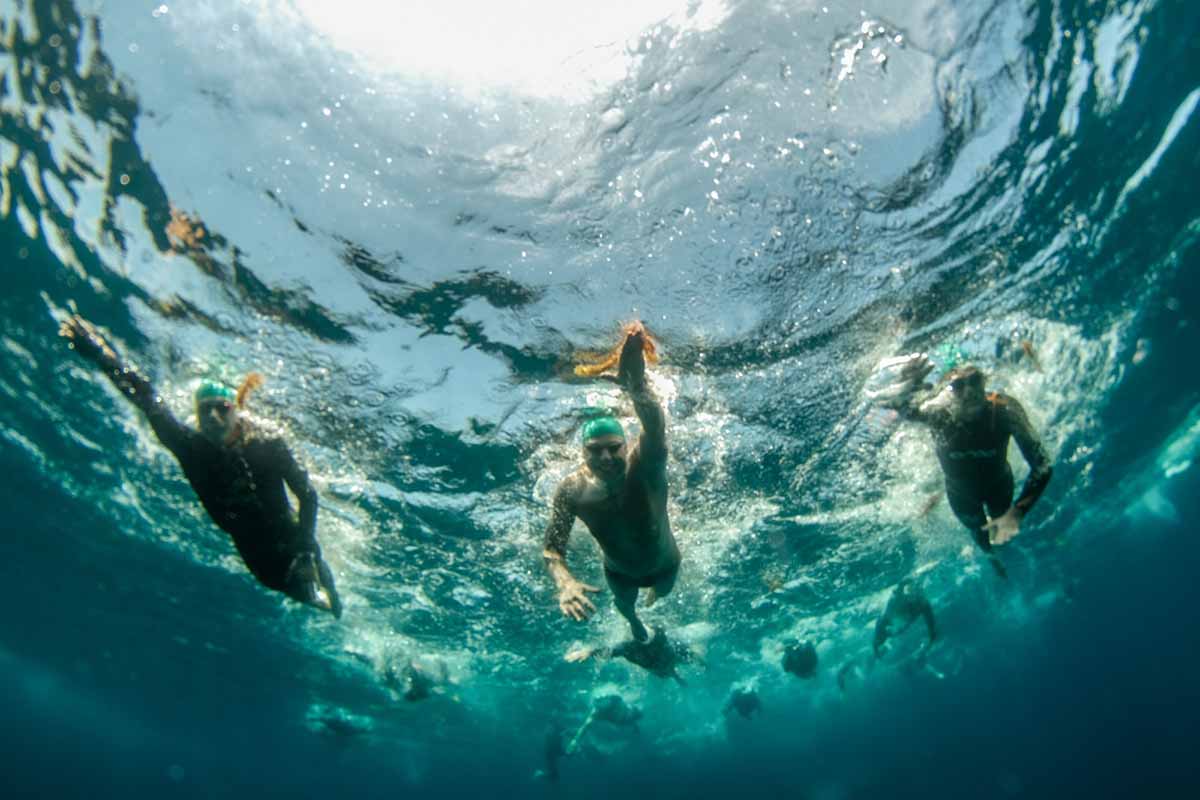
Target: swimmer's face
{"x": 963, "y": 394}
{"x": 217, "y": 418}
{"x": 966, "y": 392}
{"x": 605, "y": 456}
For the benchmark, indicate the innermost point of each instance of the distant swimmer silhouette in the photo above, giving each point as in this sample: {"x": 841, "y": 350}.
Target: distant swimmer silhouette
{"x": 620, "y": 493}
{"x": 611, "y": 709}
{"x": 971, "y": 429}
{"x": 415, "y": 682}
{"x": 906, "y": 605}
{"x": 659, "y": 655}
{"x": 800, "y": 659}
{"x": 744, "y": 701}
{"x": 238, "y": 469}
{"x": 553, "y": 751}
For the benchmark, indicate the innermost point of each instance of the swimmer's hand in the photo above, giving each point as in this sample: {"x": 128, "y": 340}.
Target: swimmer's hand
{"x": 908, "y": 373}
{"x": 86, "y": 339}
{"x": 1005, "y": 527}
{"x": 631, "y": 370}
{"x": 579, "y": 654}
{"x": 573, "y": 600}
{"x": 916, "y": 367}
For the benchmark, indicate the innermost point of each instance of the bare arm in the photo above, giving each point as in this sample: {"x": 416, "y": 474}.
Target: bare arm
{"x": 631, "y": 373}
{"x": 572, "y": 599}
{"x": 89, "y": 343}
{"x": 1040, "y": 468}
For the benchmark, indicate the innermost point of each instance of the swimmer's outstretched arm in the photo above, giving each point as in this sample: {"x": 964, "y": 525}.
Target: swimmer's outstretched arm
{"x": 631, "y": 374}
{"x": 572, "y": 597}
{"x": 91, "y": 344}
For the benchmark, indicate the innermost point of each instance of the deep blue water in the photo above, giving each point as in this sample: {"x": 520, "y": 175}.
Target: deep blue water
{"x": 787, "y": 193}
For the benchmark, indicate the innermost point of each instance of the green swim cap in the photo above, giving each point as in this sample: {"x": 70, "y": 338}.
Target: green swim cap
{"x": 210, "y": 390}
{"x": 596, "y": 427}
{"x": 949, "y": 356}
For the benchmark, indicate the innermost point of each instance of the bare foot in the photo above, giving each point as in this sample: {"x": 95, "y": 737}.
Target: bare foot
{"x": 651, "y": 597}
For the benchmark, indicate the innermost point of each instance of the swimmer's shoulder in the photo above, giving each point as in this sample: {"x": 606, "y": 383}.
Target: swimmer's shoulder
{"x": 570, "y": 490}
{"x": 265, "y": 439}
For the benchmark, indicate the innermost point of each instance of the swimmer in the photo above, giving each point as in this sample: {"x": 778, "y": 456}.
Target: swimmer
{"x": 658, "y": 655}
{"x": 337, "y": 722}
{"x": 744, "y": 700}
{"x": 853, "y": 672}
{"x": 620, "y": 493}
{"x": 800, "y": 659}
{"x": 610, "y": 708}
{"x": 904, "y": 607}
{"x": 971, "y": 429}
{"x": 553, "y": 751}
{"x": 238, "y": 471}
{"x": 413, "y": 681}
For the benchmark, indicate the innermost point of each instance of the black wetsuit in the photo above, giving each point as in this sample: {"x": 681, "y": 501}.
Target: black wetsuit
{"x": 659, "y": 655}
{"x": 974, "y": 458}
{"x": 241, "y": 486}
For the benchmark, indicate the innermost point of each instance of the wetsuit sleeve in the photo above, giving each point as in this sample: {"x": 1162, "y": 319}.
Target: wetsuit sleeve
{"x": 297, "y": 480}
{"x": 908, "y": 404}
{"x": 131, "y": 383}
{"x": 1034, "y": 452}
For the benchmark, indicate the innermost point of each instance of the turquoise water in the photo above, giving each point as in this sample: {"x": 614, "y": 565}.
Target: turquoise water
{"x": 786, "y": 193}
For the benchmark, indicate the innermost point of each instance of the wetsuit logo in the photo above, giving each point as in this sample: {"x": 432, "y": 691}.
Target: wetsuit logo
{"x": 963, "y": 455}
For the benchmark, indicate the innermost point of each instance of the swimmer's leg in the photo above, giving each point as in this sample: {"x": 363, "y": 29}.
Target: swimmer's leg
{"x": 969, "y": 510}
{"x": 999, "y": 496}
{"x": 306, "y": 582}
{"x": 625, "y": 594}
{"x": 326, "y": 577}
{"x": 662, "y": 586}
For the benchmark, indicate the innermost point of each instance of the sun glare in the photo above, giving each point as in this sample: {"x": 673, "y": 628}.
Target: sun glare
{"x": 548, "y": 48}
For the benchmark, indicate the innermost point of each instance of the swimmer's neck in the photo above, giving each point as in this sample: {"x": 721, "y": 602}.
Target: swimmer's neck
{"x": 612, "y": 485}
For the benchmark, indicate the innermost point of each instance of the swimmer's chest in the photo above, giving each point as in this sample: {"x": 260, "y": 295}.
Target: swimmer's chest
{"x": 624, "y": 516}
{"x": 982, "y": 441}
{"x": 232, "y": 481}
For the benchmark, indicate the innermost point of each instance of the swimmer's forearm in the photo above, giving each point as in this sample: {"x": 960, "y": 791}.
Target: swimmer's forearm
{"x": 556, "y": 563}
{"x": 909, "y": 406}
{"x": 308, "y": 512}
{"x": 649, "y": 410}
{"x": 128, "y": 381}
{"x": 1035, "y": 484}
